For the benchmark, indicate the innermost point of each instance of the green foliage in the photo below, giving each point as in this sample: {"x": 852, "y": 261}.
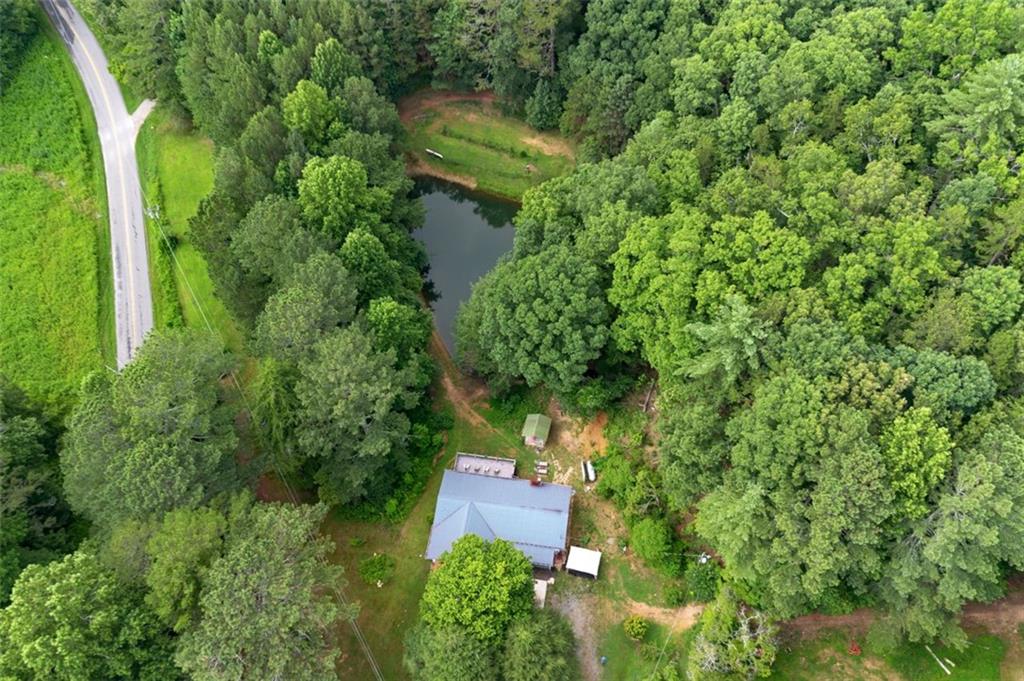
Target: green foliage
{"x": 153, "y": 438}
{"x": 652, "y": 541}
{"x": 479, "y": 586}
{"x": 539, "y": 319}
{"x": 442, "y": 653}
{"x": 71, "y": 619}
{"x": 377, "y": 569}
{"x": 543, "y": 108}
{"x": 733, "y": 640}
{"x": 540, "y": 648}
{"x": 266, "y": 610}
{"x": 917, "y": 453}
{"x": 349, "y": 426}
{"x": 52, "y": 256}
{"x": 17, "y": 25}
{"x": 702, "y": 580}
{"x": 34, "y": 519}
{"x": 307, "y": 111}
{"x": 336, "y": 199}
{"x": 635, "y": 627}
{"x": 180, "y": 553}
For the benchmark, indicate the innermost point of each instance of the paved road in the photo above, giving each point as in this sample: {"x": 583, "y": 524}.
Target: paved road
{"x": 133, "y": 304}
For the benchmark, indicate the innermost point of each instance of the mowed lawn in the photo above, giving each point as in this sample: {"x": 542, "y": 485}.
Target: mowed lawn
{"x": 482, "y": 147}
{"x": 56, "y": 295}
{"x": 176, "y": 163}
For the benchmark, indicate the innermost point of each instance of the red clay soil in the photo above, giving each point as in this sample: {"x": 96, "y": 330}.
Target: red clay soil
{"x": 999, "y": 617}
{"x": 462, "y": 391}
{"x": 416, "y": 103}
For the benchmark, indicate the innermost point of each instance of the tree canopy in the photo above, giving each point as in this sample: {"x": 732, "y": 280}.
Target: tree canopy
{"x": 156, "y": 437}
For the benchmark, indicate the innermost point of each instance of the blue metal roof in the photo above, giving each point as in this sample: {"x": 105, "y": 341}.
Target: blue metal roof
{"x": 533, "y": 517}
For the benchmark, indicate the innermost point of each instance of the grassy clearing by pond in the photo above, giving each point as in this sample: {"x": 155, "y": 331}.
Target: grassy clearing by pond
{"x": 481, "y": 147}
{"x": 176, "y": 164}
{"x": 56, "y": 293}
{"x": 826, "y": 657}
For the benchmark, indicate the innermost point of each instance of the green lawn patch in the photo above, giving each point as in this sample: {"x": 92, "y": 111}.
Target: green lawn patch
{"x": 56, "y": 295}
{"x": 176, "y": 164}
{"x": 978, "y": 662}
{"x": 482, "y": 147}
{"x": 629, "y": 660}
{"x": 826, "y": 657}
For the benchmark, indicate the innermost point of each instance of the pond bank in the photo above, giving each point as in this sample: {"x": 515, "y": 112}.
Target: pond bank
{"x": 474, "y": 144}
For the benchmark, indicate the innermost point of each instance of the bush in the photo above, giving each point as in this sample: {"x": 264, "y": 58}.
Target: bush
{"x": 883, "y": 638}
{"x": 635, "y": 627}
{"x": 651, "y": 539}
{"x": 615, "y": 475}
{"x": 702, "y": 580}
{"x": 675, "y": 595}
{"x": 377, "y": 569}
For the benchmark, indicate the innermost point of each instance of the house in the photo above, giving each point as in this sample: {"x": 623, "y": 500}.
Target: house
{"x": 535, "y": 430}
{"x": 533, "y": 516}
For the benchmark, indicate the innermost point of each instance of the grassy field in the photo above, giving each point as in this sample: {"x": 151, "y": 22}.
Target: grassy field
{"x": 176, "y": 164}
{"x": 482, "y": 148}
{"x": 56, "y": 295}
{"x": 629, "y": 660}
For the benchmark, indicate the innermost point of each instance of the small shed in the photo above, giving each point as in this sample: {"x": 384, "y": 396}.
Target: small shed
{"x": 535, "y": 430}
{"x": 583, "y": 562}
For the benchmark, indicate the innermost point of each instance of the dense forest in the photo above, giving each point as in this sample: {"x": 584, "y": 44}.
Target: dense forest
{"x": 802, "y": 219}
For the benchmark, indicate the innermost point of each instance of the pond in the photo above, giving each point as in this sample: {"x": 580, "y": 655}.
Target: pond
{"x": 465, "y": 233}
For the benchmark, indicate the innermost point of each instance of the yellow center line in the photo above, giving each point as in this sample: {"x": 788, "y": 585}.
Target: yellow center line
{"x": 120, "y": 167}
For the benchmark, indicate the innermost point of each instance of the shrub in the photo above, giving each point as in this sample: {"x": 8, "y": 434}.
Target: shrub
{"x": 651, "y": 539}
{"x": 377, "y": 569}
{"x": 615, "y": 475}
{"x": 702, "y": 580}
{"x": 635, "y": 627}
{"x": 675, "y": 595}
{"x": 883, "y": 638}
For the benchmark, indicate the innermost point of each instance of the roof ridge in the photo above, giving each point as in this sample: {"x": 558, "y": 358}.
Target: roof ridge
{"x": 483, "y": 518}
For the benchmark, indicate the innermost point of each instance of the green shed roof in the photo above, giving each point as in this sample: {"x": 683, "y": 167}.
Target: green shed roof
{"x": 537, "y": 426}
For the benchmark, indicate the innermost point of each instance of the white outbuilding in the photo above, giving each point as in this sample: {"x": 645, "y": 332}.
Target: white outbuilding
{"x": 583, "y": 562}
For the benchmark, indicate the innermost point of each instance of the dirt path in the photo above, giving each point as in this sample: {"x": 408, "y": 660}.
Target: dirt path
{"x": 462, "y": 391}
{"x": 676, "y": 619}
{"x": 581, "y": 611}
{"x": 1002, "y": 618}
{"x": 415, "y": 104}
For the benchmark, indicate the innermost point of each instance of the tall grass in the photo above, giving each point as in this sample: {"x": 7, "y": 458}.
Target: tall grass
{"x": 52, "y": 222}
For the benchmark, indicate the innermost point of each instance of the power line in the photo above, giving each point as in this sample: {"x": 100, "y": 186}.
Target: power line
{"x": 338, "y": 592}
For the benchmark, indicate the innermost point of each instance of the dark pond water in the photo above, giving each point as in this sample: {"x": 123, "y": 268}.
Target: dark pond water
{"x": 465, "y": 233}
